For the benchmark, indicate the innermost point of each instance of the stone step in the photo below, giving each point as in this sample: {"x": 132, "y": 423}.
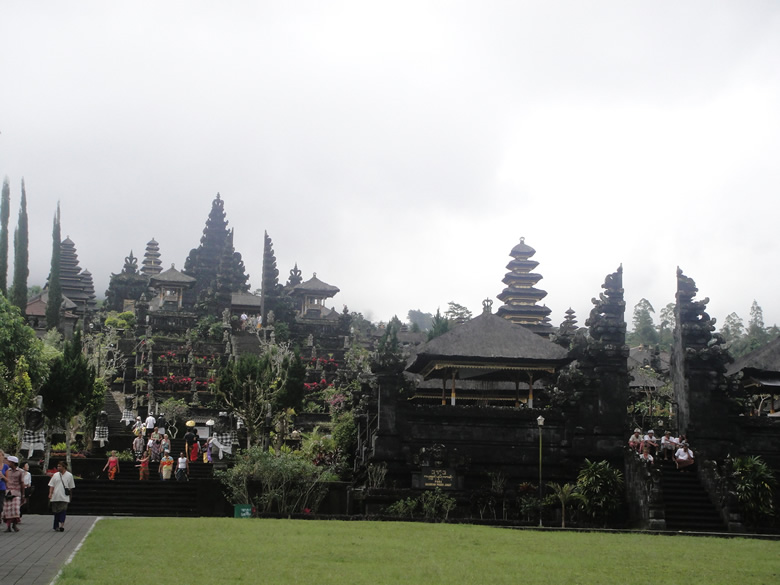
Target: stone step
{"x": 135, "y": 498}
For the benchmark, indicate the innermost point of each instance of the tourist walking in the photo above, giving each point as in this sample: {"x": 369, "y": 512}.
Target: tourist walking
{"x": 194, "y": 449}
{"x": 14, "y": 490}
{"x": 61, "y": 486}
{"x": 112, "y": 465}
{"x": 182, "y": 468}
{"x": 138, "y": 446}
{"x": 165, "y": 444}
{"x": 3, "y": 469}
{"x": 153, "y": 447}
{"x": 143, "y": 465}
{"x": 189, "y": 438}
{"x": 166, "y": 467}
{"x": 28, "y": 488}
{"x": 150, "y": 423}
{"x": 139, "y": 428}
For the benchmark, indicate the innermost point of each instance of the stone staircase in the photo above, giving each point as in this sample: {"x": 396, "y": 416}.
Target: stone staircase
{"x": 687, "y": 505}
{"x": 130, "y": 497}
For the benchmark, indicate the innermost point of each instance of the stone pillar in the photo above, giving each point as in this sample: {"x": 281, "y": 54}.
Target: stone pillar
{"x": 699, "y": 361}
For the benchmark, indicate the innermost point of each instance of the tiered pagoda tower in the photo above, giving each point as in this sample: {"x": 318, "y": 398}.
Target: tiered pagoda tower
{"x": 89, "y": 289}
{"x": 72, "y": 280}
{"x": 151, "y": 264}
{"x": 520, "y": 297}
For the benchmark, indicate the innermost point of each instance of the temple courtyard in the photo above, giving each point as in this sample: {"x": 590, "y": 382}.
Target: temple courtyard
{"x": 209, "y": 550}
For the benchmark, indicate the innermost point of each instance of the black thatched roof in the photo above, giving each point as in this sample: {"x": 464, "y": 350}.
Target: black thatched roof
{"x": 314, "y": 284}
{"x": 247, "y": 300}
{"x": 765, "y": 359}
{"x": 171, "y": 276}
{"x": 489, "y": 339}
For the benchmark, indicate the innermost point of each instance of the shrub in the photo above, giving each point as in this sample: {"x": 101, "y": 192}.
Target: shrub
{"x": 754, "y": 486}
{"x": 435, "y": 505}
{"x": 601, "y": 488}
{"x": 286, "y": 483}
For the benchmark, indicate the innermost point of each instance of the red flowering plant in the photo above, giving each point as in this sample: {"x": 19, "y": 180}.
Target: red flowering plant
{"x": 327, "y": 364}
{"x": 173, "y": 382}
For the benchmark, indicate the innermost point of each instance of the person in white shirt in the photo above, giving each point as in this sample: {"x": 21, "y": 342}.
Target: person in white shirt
{"x": 668, "y": 445}
{"x": 60, "y": 490}
{"x": 150, "y": 423}
{"x": 646, "y": 457}
{"x": 683, "y": 457}
{"x": 650, "y": 442}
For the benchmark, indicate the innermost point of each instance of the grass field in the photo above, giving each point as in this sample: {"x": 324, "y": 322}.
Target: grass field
{"x": 220, "y": 551}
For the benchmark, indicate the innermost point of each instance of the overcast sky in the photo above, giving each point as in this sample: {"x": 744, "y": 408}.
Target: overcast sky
{"x": 400, "y": 150}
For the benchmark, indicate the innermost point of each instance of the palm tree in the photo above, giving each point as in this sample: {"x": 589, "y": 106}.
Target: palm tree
{"x": 565, "y": 494}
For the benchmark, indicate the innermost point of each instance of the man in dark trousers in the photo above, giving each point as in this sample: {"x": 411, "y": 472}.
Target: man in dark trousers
{"x": 189, "y": 439}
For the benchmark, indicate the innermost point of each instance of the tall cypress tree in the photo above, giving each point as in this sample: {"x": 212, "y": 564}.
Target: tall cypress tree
{"x": 21, "y": 256}
{"x": 55, "y": 287}
{"x": 5, "y": 213}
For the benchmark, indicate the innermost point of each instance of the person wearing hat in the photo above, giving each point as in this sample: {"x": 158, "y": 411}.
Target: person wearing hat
{"x": 635, "y": 440}
{"x": 14, "y": 489}
{"x": 139, "y": 428}
{"x": 650, "y": 442}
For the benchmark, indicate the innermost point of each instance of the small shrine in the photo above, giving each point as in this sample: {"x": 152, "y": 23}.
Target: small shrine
{"x": 310, "y": 298}
{"x": 169, "y": 286}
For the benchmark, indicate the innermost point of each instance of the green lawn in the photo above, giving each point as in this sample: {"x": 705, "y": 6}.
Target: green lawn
{"x": 219, "y": 551}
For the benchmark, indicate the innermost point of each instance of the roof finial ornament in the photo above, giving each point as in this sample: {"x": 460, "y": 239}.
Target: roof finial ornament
{"x": 522, "y": 239}
{"x": 487, "y": 306}
{"x": 173, "y": 266}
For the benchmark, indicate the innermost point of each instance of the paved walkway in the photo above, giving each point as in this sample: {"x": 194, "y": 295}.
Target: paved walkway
{"x": 35, "y": 554}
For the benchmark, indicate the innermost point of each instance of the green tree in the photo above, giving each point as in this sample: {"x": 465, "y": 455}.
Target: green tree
{"x": 69, "y": 388}
{"x": 564, "y": 495}
{"x": 21, "y": 256}
{"x": 439, "y": 326}
{"x": 255, "y": 387}
{"x": 55, "y": 287}
{"x": 666, "y": 326}
{"x": 423, "y": 321}
{"x": 457, "y": 313}
{"x": 388, "y": 356}
{"x": 17, "y": 340}
{"x": 644, "y": 332}
{"x": 5, "y": 213}
{"x": 18, "y": 396}
{"x": 756, "y": 331}
{"x": 733, "y": 329}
